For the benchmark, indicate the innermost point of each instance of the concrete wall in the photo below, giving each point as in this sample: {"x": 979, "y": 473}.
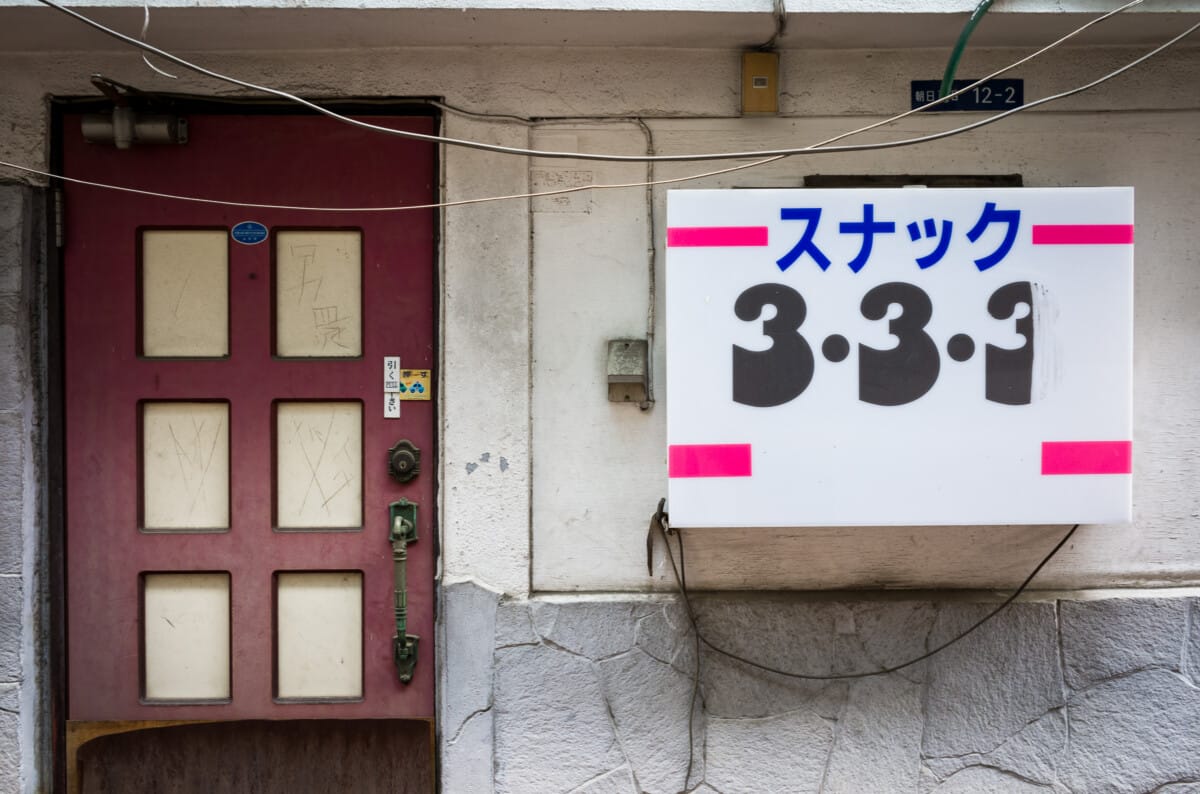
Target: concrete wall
{"x": 546, "y": 488}
{"x": 23, "y": 635}
{"x": 526, "y": 317}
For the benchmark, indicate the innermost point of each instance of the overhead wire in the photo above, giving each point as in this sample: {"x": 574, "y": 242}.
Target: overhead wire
{"x": 779, "y": 11}
{"x": 145, "y": 30}
{"x": 866, "y": 128}
{"x": 819, "y": 147}
{"x": 397, "y": 208}
{"x": 497, "y": 148}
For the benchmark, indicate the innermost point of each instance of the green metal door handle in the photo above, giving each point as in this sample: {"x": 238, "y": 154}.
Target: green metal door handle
{"x": 402, "y": 517}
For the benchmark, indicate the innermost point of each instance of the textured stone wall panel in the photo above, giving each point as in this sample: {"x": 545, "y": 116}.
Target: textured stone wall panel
{"x": 1068, "y": 697}
{"x": 987, "y": 687}
{"x": 1102, "y": 639}
{"x": 554, "y": 730}
{"x": 10, "y": 629}
{"x": 14, "y": 437}
{"x": 12, "y": 465}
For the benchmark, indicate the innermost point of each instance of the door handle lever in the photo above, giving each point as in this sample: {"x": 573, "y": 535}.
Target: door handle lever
{"x": 403, "y": 531}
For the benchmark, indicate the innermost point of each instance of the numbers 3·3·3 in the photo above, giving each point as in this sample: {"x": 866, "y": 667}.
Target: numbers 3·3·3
{"x": 896, "y": 376}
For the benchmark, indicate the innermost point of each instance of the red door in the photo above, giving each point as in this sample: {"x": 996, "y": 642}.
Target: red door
{"x": 228, "y": 490}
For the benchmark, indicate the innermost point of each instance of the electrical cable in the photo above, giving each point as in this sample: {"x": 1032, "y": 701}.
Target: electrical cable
{"x": 815, "y": 149}
{"x": 662, "y": 520}
{"x": 867, "y": 128}
{"x": 146, "y": 29}
{"x": 652, "y": 266}
{"x": 398, "y": 208}
{"x": 961, "y": 44}
{"x": 619, "y": 185}
{"x": 146, "y": 47}
{"x": 841, "y": 136}
{"x": 779, "y": 11}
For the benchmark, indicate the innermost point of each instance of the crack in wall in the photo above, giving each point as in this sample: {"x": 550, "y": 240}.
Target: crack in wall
{"x": 998, "y": 770}
{"x": 1152, "y": 668}
{"x": 999, "y": 745}
{"x": 526, "y": 614}
{"x": 563, "y": 649}
{"x": 930, "y": 673}
{"x": 699, "y": 735}
{"x": 612, "y": 722}
{"x": 1062, "y": 665}
{"x": 1163, "y": 786}
{"x": 987, "y": 758}
{"x": 467, "y": 720}
{"x": 680, "y": 644}
{"x": 617, "y": 655}
{"x": 836, "y": 730}
{"x": 1185, "y": 651}
{"x": 492, "y": 747}
{"x": 592, "y": 780}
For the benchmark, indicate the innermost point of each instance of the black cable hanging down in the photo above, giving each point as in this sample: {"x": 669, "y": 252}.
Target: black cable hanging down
{"x": 660, "y": 521}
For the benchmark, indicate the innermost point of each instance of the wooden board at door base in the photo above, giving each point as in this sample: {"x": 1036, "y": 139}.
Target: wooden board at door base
{"x": 135, "y": 421}
{"x": 268, "y": 757}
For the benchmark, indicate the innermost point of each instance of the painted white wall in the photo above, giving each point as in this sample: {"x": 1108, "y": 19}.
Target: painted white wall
{"x": 546, "y": 485}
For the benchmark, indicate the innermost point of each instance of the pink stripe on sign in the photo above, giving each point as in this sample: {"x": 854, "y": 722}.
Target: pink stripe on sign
{"x": 716, "y": 236}
{"x": 1083, "y": 234}
{"x": 708, "y": 460}
{"x": 1087, "y": 457}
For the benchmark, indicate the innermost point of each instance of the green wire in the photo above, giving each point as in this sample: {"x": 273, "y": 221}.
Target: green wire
{"x": 961, "y": 44}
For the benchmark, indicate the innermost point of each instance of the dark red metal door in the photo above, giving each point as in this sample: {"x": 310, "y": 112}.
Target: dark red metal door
{"x": 174, "y": 403}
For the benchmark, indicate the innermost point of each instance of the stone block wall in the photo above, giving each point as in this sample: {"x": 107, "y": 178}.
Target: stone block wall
{"x": 20, "y": 239}
{"x": 13, "y": 378}
{"x": 590, "y": 695}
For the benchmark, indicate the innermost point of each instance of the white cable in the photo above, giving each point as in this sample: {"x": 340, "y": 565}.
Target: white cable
{"x": 647, "y": 183}
{"x": 874, "y": 125}
{"x": 145, "y": 29}
{"x": 401, "y": 208}
{"x": 146, "y": 47}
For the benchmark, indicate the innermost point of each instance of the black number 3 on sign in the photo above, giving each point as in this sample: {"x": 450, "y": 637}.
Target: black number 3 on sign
{"x": 892, "y": 376}
{"x": 1010, "y": 372}
{"x": 905, "y": 372}
{"x": 779, "y": 374}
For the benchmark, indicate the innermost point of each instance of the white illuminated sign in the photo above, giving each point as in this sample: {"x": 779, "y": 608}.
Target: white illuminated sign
{"x": 899, "y": 357}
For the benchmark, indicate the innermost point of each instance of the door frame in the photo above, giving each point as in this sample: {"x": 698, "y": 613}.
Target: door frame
{"x": 56, "y": 745}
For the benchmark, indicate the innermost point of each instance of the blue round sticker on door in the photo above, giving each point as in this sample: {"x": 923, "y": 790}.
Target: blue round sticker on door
{"x": 249, "y": 232}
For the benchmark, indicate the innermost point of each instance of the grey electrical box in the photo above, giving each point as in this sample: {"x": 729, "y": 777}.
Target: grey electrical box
{"x": 628, "y": 371}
